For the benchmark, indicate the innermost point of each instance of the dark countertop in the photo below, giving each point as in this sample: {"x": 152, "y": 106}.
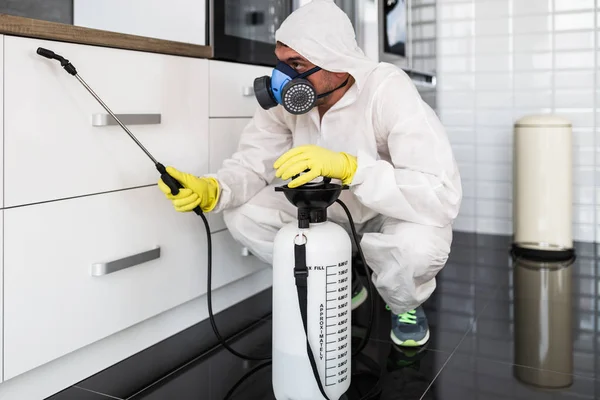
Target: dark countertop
{"x": 35, "y": 28}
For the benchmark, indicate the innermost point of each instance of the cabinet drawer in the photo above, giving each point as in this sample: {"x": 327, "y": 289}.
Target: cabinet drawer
{"x": 232, "y": 88}
{"x": 52, "y": 150}
{"x": 53, "y": 303}
{"x": 223, "y": 142}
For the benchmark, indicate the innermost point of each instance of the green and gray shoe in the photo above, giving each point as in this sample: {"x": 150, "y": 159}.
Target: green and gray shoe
{"x": 410, "y": 329}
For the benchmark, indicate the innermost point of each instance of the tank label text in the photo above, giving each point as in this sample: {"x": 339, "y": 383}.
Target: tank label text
{"x": 321, "y": 328}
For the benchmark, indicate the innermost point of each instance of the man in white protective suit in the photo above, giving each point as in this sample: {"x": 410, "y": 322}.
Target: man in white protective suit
{"x": 370, "y": 129}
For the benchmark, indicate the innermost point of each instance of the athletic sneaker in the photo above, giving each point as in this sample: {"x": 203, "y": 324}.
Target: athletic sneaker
{"x": 410, "y": 329}
{"x": 359, "y": 292}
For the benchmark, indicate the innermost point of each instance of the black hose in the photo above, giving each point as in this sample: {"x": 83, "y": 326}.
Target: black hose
{"x": 365, "y": 339}
{"x": 209, "y": 301}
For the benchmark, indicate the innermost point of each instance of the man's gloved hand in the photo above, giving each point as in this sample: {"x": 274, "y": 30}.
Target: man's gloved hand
{"x": 196, "y": 191}
{"x": 320, "y": 162}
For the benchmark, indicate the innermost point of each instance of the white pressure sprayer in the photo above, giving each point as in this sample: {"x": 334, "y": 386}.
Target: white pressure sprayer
{"x": 312, "y": 299}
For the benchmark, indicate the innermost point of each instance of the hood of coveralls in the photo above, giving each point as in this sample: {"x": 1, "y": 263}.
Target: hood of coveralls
{"x": 323, "y": 34}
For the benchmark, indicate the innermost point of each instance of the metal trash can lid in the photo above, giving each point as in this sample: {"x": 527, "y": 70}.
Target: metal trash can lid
{"x": 542, "y": 120}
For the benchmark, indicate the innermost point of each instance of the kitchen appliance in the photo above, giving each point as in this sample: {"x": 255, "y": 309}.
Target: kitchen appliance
{"x": 243, "y": 31}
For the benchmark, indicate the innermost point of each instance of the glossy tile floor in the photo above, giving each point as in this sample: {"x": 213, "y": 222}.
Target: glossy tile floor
{"x": 500, "y": 329}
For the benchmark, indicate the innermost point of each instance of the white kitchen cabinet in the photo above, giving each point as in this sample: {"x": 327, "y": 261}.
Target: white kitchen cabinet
{"x": 53, "y": 301}
{"x": 224, "y": 137}
{"x": 54, "y": 305}
{"x": 53, "y": 151}
{"x": 232, "y": 88}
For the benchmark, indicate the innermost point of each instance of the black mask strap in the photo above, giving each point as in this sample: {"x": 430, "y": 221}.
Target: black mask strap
{"x": 331, "y": 91}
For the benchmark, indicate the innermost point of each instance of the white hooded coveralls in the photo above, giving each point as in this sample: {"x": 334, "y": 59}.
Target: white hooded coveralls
{"x": 406, "y": 191}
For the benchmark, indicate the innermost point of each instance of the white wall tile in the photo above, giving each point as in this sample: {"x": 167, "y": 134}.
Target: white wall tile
{"x": 532, "y": 24}
{"x": 494, "y": 190}
{"x": 447, "y": 82}
{"x": 532, "y": 80}
{"x": 527, "y": 7}
{"x": 574, "y": 79}
{"x": 457, "y": 117}
{"x": 572, "y": 5}
{"x": 490, "y": 9}
{"x": 467, "y": 207}
{"x": 502, "y": 136}
{"x": 464, "y": 224}
{"x": 424, "y": 13}
{"x": 494, "y": 118}
{"x": 461, "y": 135}
{"x": 494, "y": 226}
{"x": 493, "y": 81}
{"x": 456, "y": 64}
{"x": 584, "y": 156}
{"x": 583, "y": 137}
{"x": 454, "y": 47}
{"x": 575, "y": 60}
{"x": 493, "y": 155}
{"x": 468, "y": 171}
{"x": 495, "y": 209}
{"x": 579, "y": 119}
{"x": 533, "y": 61}
{"x": 493, "y": 63}
{"x": 574, "y": 40}
{"x": 455, "y": 29}
{"x": 584, "y": 233}
{"x": 569, "y": 22}
{"x": 584, "y": 214}
{"x": 492, "y": 27}
{"x": 456, "y": 100}
{"x": 492, "y": 44}
{"x": 468, "y": 188}
{"x": 464, "y": 153}
{"x": 494, "y": 100}
{"x": 533, "y": 99}
{"x": 532, "y": 42}
{"x": 583, "y": 195}
{"x": 494, "y": 173}
{"x": 574, "y": 98}
{"x": 460, "y": 11}
{"x": 584, "y": 176}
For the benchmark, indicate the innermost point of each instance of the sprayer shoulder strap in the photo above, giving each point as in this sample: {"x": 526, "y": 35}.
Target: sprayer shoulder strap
{"x": 301, "y": 275}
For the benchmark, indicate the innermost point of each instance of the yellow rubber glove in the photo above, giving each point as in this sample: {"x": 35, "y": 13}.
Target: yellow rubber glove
{"x": 203, "y": 192}
{"x": 320, "y": 162}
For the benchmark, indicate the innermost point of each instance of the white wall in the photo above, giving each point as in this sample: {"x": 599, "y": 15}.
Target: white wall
{"x": 498, "y": 60}
{"x": 178, "y": 20}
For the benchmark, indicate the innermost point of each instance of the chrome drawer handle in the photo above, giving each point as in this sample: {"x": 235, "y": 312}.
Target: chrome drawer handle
{"x": 127, "y": 119}
{"x": 100, "y": 269}
{"x": 248, "y": 91}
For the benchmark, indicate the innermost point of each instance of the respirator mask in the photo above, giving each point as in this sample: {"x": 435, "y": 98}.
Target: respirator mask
{"x": 289, "y": 88}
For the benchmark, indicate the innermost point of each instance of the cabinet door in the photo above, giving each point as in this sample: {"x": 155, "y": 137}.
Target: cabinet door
{"x": 232, "y": 88}
{"x": 53, "y": 150}
{"x": 60, "y": 294}
{"x": 224, "y": 137}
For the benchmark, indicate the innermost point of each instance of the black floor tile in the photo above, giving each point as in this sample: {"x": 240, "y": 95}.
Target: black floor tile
{"x": 211, "y": 376}
{"x": 132, "y": 374}
{"x": 468, "y": 377}
{"x": 74, "y": 393}
{"x": 382, "y": 370}
{"x": 546, "y": 319}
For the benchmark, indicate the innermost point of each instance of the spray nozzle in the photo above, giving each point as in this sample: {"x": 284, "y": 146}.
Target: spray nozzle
{"x": 66, "y": 64}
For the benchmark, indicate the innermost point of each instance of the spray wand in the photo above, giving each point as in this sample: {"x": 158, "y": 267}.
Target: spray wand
{"x": 171, "y": 182}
